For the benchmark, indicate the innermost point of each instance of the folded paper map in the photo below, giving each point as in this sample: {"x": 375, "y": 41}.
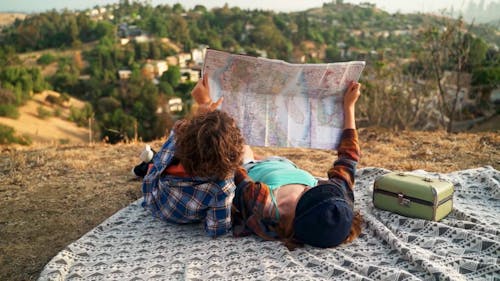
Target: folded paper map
{"x": 276, "y": 103}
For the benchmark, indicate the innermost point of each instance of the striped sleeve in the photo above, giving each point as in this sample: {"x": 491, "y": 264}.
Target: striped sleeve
{"x": 344, "y": 168}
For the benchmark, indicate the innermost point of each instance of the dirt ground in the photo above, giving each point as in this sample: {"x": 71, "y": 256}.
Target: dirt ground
{"x": 50, "y": 195}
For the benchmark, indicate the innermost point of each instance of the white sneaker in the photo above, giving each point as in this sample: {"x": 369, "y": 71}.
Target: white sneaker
{"x": 147, "y": 154}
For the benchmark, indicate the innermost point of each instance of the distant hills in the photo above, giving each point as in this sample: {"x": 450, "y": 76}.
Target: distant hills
{"x": 84, "y": 54}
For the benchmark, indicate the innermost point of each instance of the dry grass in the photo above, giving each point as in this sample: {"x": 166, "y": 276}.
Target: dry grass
{"x": 49, "y": 130}
{"x": 51, "y": 195}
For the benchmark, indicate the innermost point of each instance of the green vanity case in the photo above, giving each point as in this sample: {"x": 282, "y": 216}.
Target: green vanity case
{"x": 413, "y": 196}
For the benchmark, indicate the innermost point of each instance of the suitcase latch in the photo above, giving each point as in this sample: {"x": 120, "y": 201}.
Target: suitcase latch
{"x": 403, "y": 201}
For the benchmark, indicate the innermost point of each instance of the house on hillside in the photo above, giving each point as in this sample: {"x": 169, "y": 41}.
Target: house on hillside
{"x": 124, "y": 41}
{"x": 249, "y": 27}
{"x": 188, "y": 74}
{"x": 183, "y": 59}
{"x": 175, "y": 105}
{"x": 172, "y": 60}
{"x": 124, "y": 74}
{"x": 356, "y": 32}
{"x": 169, "y": 105}
{"x": 381, "y": 34}
{"x": 132, "y": 32}
{"x": 160, "y": 67}
{"x": 172, "y": 105}
{"x": 198, "y": 55}
{"x": 154, "y": 68}
{"x": 100, "y": 13}
{"x": 356, "y": 53}
{"x": 143, "y": 38}
{"x": 401, "y": 32}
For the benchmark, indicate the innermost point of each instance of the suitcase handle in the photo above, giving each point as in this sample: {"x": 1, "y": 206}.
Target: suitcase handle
{"x": 426, "y": 179}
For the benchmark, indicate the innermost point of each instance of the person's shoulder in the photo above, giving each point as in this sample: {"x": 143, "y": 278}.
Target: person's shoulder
{"x": 223, "y": 187}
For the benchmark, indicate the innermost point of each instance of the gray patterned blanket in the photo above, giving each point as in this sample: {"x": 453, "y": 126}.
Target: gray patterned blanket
{"x": 131, "y": 245}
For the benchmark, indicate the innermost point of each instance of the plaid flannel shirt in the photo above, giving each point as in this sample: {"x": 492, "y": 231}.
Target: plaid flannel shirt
{"x": 187, "y": 200}
{"x": 248, "y": 212}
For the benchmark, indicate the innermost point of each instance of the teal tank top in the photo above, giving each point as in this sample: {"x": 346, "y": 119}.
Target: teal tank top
{"x": 276, "y": 172}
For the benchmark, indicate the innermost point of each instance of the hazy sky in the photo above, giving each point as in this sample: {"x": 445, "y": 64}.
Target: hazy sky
{"x": 276, "y": 5}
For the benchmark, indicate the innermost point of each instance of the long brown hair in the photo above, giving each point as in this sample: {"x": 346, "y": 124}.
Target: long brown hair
{"x": 210, "y": 145}
{"x": 357, "y": 221}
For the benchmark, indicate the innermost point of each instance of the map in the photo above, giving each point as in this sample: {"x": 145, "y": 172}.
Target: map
{"x": 281, "y": 104}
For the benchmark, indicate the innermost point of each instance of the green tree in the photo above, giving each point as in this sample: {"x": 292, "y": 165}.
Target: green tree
{"x": 46, "y": 59}
{"x": 332, "y": 54}
{"x": 166, "y": 88}
{"x": 117, "y": 126}
{"x": 200, "y": 9}
{"x": 172, "y": 75}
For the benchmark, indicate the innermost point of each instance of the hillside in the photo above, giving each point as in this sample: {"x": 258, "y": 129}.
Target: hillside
{"x": 51, "y": 129}
{"x": 8, "y": 18}
{"x": 56, "y": 193}
{"x": 116, "y": 57}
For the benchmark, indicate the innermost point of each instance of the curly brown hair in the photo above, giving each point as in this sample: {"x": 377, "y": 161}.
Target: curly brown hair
{"x": 210, "y": 145}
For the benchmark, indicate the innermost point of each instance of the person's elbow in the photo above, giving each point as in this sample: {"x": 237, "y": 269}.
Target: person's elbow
{"x": 214, "y": 233}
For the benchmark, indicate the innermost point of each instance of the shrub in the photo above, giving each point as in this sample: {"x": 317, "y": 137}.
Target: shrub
{"x": 46, "y": 59}
{"x": 108, "y": 104}
{"x": 7, "y": 136}
{"x": 43, "y": 113}
{"x": 64, "y": 97}
{"x": 57, "y": 112}
{"x": 52, "y": 99}
{"x": 9, "y": 110}
{"x": 7, "y": 96}
{"x": 59, "y": 100}
{"x": 81, "y": 116}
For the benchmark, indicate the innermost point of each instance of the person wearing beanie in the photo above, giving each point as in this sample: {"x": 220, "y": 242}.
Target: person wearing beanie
{"x": 276, "y": 200}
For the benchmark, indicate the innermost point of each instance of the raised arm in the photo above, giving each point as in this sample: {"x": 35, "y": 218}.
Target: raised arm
{"x": 201, "y": 95}
{"x": 350, "y": 98}
{"x": 344, "y": 168}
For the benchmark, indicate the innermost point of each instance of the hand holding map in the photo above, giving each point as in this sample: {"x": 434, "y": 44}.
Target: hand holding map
{"x": 276, "y": 103}
{"x": 201, "y": 95}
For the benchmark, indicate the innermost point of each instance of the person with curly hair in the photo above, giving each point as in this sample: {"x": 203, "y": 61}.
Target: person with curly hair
{"x": 191, "y": 178}
{"x": 278, "y": 201}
